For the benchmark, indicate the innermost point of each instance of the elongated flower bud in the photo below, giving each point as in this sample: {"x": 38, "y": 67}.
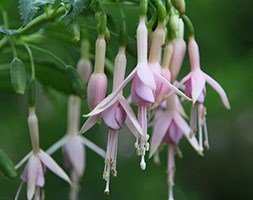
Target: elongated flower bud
{"x": 179, "y": 49}
{"x": 18, "y": 76}
{"x": 84, "y": 68}
{"x": 6, "y": 165}
{"x": 179, "y": 5}
{"x": 74, "y": 29}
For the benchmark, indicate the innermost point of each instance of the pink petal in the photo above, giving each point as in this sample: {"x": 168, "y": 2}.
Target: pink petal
{"x": 186, "y": 130}
{"x": 90, "y": 122}
{"x": 40, "y": 179}
{"x": 172, "y": 87}
{"x": 173, "y": 134}
{"x": 53, "y": 166}
{"x": 146, "y": 75}
{"x": 120, "y": 115}
{"x": 131, "y": 121}
{"x": 216, "y": 86}
{"x": 75, "y": 153}
{"x": 32, "y": 175}
{"x": 198, "y": 82}
{"x": 109, "y": 117}
{"x": 159, "y": 131}
{"x": 186, "y": 78}
{"x": 144, "y": 92}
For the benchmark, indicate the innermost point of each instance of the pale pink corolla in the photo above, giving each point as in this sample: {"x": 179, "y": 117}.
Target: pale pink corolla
{"x": 34, "y": 171}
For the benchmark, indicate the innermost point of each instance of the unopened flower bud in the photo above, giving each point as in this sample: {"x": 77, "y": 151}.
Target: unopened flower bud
{"x": 174, "y": 23}
{"x": 84, "y": 68}
{"x": 74, "y": 30}
{"x": 179, "y": 5}
{"x": 6, "y": 165}
{"x": 179, "y": 49}
{"x": 96, "y": 89}
{"x": 18, "y": 76}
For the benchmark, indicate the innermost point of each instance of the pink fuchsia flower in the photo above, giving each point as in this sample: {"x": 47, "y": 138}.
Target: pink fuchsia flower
{"x": 34, "y": 171}
{"x": 74, "y": 146}
{"x": 195, "y": 88}
{"x": 114, "y": 113}
{"x": 169, "y": 128}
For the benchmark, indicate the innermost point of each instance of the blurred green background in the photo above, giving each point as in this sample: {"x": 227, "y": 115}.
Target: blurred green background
{"x": 224, "y": 30}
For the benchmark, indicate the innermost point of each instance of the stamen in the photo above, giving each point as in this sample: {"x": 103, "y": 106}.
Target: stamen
{"x": 200, "y": 128}
{"x": 143, "y": 163}
{"x": 193, "y": 120}
{"x": 107, "y": 191}
{"x": 206, "y": 142}
{"x": 106, "y": 177}
{"x": 143, "y": 145}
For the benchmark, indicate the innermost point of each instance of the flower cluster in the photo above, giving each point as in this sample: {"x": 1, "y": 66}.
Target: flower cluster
{"x": 156, "y": 93}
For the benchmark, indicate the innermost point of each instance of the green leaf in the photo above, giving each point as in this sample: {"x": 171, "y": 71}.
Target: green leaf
{"x": 77, "y": 7}
{"x": 8, "y": 31}
{"x": 28, "y": 8}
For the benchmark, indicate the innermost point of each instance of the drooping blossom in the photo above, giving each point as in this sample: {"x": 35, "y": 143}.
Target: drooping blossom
{"x": 169, "y": 128}
{"x": 74, "y": 146}
{"x": 35, "y": 168}
{"x": 195, "y": 88}
{"x": 114, "y": 113}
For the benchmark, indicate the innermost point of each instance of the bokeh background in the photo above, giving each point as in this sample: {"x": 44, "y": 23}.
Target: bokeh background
{"x": 224, "y": 30}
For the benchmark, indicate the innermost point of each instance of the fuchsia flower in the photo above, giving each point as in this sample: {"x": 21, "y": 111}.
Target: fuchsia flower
{"x": 195, "y": 88}
{"x": 169, "y": 128}
{"x": 35, "y": 169}
{"x": 114, "y": 113}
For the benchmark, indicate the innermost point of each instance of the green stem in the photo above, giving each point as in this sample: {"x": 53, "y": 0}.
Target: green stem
{"x": 5, "y": 18}
{"x": 13, "y": 49}
{"x": 43, "y": 18}
{"x": 32, "y": 60}
{"x": 49, "y": 53}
